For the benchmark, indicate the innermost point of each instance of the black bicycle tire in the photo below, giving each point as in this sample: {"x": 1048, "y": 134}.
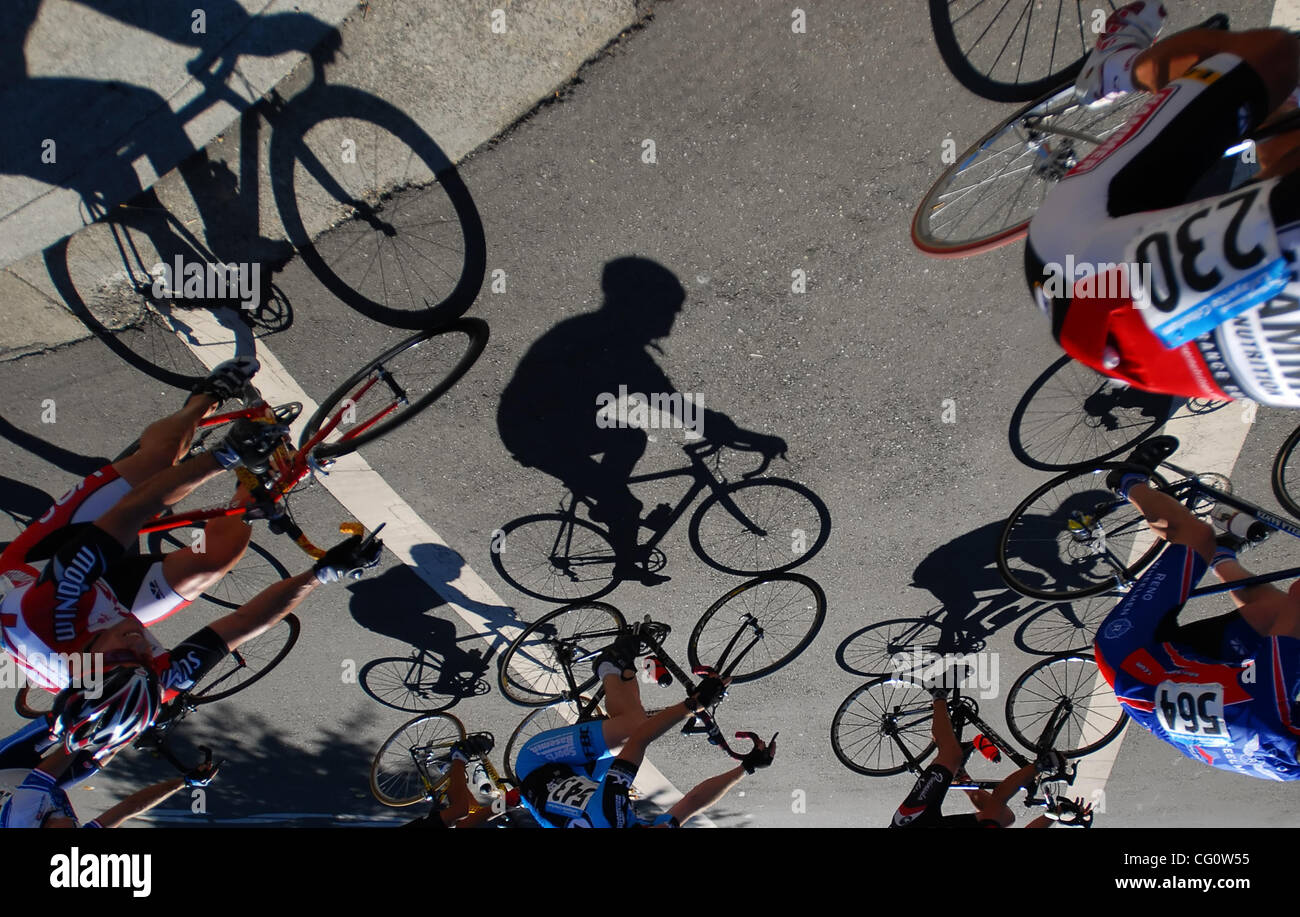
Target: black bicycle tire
{"x": 198, "y": 698}
{"x": 837, "y": 745}
{"x": 1016, "y": 437}
{"x": 154, "y": 543}
{"x": 1289, "y": 503}
{"x": 1033, "y": 592}
{"x": 969, "y": 76}
{"x": 328, "y": 102}
{"x": 823, "y": 535}
{"x": 477, "y": 331}
{"x": 1018, "y": 730}
{"x": 401, "y": 802}
{"x": 559, "y": 519}
{"x": 903, "y": 624}
{"x": 518, "y": 694}
{"x": 693, "y": 648}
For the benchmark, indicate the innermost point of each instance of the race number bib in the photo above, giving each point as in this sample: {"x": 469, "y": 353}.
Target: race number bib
{"x": 1192, "y": 713}
{"x": 569, "y": 796}
{"x": 1196, "y": 271}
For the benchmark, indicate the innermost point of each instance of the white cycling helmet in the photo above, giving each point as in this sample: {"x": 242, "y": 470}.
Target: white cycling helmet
{"x": 127, "y": 705}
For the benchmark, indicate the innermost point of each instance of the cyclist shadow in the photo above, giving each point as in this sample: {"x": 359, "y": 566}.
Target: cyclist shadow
{"x": 22, "y": 502}
{"x": 974, "y": 604}
{"x": 438, "y": 672}
{"x": 582, "y": 405}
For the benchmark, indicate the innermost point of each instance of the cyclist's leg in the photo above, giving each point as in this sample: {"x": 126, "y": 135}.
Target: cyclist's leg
{"x": 165, "y": 441}
{"x": 623, "y": 705}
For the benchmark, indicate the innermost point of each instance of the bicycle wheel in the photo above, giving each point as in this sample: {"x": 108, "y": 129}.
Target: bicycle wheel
{"x": 987, "y": 197}
{"x": 763, "y": 525}
{"x": 1072, "y": 537}
{"x": 889, "y": 647}
{"x": 1072, "y": 416}
{"x": 1286, "y": 474}
{"x": 555, "y": 557}
{"x": 250, "y": 662}
{"x": 1015, "y": 50}
{"x": 399, "y": 384}
{"x": 375, "y": 208}
{"x": 532, "y": 669}
{"x": 883, "y": 727}
{"x": 1069, "y": 686}
{"x": 256, "y": 570}
{"x": 552, "y": 716}
{"x": 759, "y": 626}
{"x": 395, "y": 778}
{"x": 116, "y": 308}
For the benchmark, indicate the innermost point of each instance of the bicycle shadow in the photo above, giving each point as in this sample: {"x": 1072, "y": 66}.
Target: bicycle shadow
{"x": 581, "y": 406}
{"x": 22, "y": 502}
{"x": 401, "y": 605}
{"x": 974, "y": 604}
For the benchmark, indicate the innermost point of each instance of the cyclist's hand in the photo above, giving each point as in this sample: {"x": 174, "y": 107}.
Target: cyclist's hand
{"x": 761, "y": 756}
{"x": 1074, "y": 813}
{"x": 708, "y": 693}
{"x": 348, "y": 559}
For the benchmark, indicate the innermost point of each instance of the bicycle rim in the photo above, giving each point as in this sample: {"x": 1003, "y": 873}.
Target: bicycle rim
{"x": 1070, "y": 682}
{"x": 759, "y": 626}
{"x": 395, "y": 778}
{"x": 1286, "y": 474}
{"x": 396, "y": 386}
{"x": 988, "y": 196}
{"x": 860, "y": 733}
{"x": 532, "y": 671}
{"x": 1040, "y": 555}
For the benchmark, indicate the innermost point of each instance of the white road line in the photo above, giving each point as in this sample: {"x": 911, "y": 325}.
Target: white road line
{"x": 1286, "y": 14}
{"x": 371, "y": 501}
{"x": 1208, "y": 442}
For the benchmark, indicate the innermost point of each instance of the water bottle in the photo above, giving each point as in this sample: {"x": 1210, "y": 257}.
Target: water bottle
{"x": 662, "y": 675}
{"x": 1243, "y": 525}
{"x": 987, "y": 748}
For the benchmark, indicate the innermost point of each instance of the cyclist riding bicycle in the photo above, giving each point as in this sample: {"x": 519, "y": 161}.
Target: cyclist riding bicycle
{"x": 581, "y": 776}
{"x": 38, "y": 618}
{"x": 1192, "y": 298}
{"x": 460, "y": 811}
{"x": 93, "y": 721}
{"x": 1221, "y": 690}
{"x": 923, "y": 806}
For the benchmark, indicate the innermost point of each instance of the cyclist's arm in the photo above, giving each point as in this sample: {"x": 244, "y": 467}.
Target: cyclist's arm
{"x": 264, "y": 610}
{"x": 1041, "y": 821}
{"x": 1007, "y": 789}
{"x": 140, "y": 802}
{"x": 1269, "y": 610}
{"x": 706, "y": 794}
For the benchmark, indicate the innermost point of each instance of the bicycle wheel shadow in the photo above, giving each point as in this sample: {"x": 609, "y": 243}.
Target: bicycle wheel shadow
{"x": 974, "y": 604}
{"x": 400, "y": 604}
{"x": 1071, "y": 416}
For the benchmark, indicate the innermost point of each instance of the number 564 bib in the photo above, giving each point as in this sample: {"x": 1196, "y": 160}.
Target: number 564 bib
{"x": 1192, "y": 713}
{"x": 1196, "y": 269}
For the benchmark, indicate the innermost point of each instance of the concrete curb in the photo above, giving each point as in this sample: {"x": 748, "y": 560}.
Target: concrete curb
{"x": 464, "y": 70}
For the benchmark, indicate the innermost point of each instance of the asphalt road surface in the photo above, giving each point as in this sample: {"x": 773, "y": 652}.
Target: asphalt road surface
{"x": 892, "y": 379}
